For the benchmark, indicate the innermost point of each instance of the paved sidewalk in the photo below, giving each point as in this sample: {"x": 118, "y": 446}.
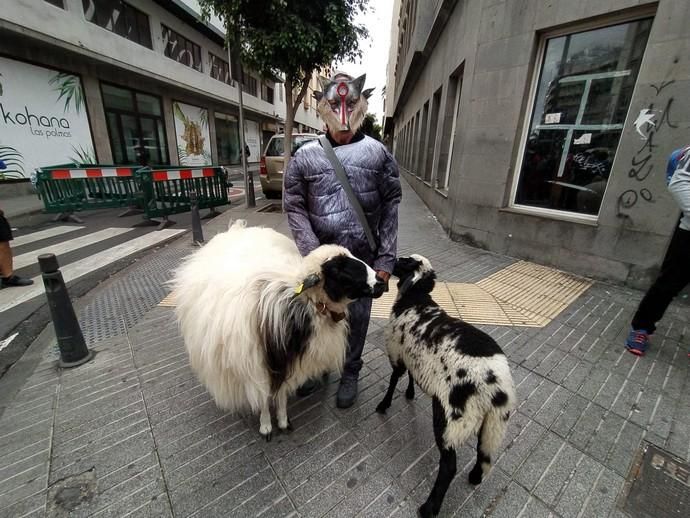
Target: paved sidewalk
{"x": 133, "y": 433}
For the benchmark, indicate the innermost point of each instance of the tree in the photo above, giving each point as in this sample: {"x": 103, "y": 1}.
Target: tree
{"x": 291, "y": 38}
{"x": 371, "y": 127}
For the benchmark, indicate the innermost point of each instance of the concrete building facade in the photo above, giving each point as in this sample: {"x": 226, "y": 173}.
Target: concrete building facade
{"x": 150, "y": 78}
{"x": 542, "y": 129}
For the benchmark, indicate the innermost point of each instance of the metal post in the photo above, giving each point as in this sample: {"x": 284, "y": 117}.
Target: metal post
{"x": 197, "y": 233}
{"x": 248, "y": 181}
{"x": 73, "y": 350}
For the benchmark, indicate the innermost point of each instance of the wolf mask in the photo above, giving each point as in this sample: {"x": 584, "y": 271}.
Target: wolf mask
{"x": 342, "y": 103}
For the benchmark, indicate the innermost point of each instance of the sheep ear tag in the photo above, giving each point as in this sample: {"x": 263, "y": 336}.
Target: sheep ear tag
{"x": 307, "y": 283}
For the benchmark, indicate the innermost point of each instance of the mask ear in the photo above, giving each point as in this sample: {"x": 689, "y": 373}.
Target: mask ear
{"x": 317, "y": 95}
{"x": 325, "y": 83}
{"x": 367, "y": 93}
{"x": 358, "y": 83}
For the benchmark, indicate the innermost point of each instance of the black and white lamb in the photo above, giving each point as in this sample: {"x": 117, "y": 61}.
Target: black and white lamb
{"x": 258, "y": 319}
{"x": 460, "y": 367}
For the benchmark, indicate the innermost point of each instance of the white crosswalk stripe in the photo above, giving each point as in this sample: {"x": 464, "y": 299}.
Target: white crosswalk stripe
{"x": 43, "y": 234}
{"x": 29, "y": 258}
{"x": 11, "y": 297}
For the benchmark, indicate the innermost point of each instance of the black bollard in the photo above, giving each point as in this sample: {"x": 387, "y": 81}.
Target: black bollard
{"x": 73, "y": 350}
{"x": 251, "y": 199}
{"x": 197, "y": 232}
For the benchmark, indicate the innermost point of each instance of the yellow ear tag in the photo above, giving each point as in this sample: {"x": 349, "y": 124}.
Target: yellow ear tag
{"x": 299, "y": 288}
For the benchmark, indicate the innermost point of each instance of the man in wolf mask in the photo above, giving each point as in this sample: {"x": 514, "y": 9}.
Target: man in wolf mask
{"x": 319, "y": 211}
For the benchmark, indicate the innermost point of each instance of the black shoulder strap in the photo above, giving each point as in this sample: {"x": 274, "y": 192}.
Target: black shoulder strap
{"x": 342, "y": 178}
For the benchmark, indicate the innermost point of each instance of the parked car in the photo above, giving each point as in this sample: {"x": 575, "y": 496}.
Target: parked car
{"x": 271, "y": 163}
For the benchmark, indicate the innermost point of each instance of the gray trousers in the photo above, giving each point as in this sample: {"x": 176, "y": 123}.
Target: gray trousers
{"x": 360, "y": 312}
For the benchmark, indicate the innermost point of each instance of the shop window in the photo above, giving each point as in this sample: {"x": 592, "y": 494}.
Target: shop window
{"x": 423, "y": 136}
{"x": 135, "y": 126}
{"x": 586, "y": 81}
{"x": 227, "y": 139}
{"x": 220, "y": 69}
{"x": 57, "y": 3}
{"x": 181, "y": 49}
{"x": 119, "y": 17}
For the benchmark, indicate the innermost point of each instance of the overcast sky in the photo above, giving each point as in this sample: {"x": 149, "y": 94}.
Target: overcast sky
{"x": 374, "y": 49}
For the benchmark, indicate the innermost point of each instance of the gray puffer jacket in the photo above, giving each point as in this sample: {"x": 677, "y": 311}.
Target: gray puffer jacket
{"x": 319, "y": 211}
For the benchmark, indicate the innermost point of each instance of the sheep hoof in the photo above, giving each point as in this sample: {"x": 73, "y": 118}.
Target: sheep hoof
{"x": 475, "y": 477}
{"x": 286, "y": 428}
{"x": 409, "y": 394}
{"x": 267, "y": 436}
{"x": 382, "y": 407}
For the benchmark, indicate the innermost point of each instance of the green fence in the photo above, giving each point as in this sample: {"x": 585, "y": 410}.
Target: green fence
{"x": 70, "y": 188}
{"x": 167, "y": 190}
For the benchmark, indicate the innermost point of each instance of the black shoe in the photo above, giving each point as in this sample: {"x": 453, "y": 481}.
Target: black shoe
{"x": 347, "y": 392}
{"x": 15, "y": 280}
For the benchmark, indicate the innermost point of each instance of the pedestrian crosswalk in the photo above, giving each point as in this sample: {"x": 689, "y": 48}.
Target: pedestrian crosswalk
{"x": 101, "y": 248}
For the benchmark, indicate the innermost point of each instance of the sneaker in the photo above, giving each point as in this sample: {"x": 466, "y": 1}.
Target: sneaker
{"x": 637, "y": 342}
{"x": 15, "y": 280}
{"x": 347, "y": 392}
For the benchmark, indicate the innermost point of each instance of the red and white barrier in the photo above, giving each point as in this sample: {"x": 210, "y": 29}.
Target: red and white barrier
{"x": 72, "y": 174}
{"x": 183, "y": 174}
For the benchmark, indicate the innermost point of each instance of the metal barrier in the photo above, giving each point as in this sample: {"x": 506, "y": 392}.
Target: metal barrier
{"x": 167, "y": 191}
{"x": 70, "y": 188}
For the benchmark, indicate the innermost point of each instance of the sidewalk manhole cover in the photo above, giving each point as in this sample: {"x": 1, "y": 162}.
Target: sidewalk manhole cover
{"x": 658, "y": 485}
{"x": 272, "y": 207}
{"x": 65, "y": 495}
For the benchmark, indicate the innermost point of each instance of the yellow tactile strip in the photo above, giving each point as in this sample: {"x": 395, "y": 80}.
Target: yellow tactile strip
{"x": 523, "y": 294}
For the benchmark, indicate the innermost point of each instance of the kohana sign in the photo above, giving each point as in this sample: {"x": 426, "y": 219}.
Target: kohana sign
{"x": 43, "y": 119}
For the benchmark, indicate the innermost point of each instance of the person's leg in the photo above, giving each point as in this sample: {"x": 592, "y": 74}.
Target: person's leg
{"x": 7, "y": 276}
{"x": 360, "y": 312}
{"x": 674, "y": 275}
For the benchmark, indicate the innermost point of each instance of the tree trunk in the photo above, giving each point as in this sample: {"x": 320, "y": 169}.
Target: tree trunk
{"x": 290, "y": 111}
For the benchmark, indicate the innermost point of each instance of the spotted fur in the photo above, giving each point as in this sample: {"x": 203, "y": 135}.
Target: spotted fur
{"x": 460, "y": 367}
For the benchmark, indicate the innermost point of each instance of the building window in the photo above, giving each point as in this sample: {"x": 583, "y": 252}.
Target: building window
{"x": 220, "y": 69}
{"x": 181, "y": 49}
{"x": 423, "y": 137}
{"x": 266, "y": 93}
{"x": 227, "y": 139}
{"x": 585, "y": 85}
{"x": 249, "y": 84}
{"x": 280, "y": 93}
{"x": 119, "y": 17}
{"x": 433, "y": 132}
{"x": 57, "y": 3}
{"x": 450, "y": 126}
{"x": 135, "y": 126}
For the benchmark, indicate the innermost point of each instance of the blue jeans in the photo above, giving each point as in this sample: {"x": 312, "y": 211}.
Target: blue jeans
{"x": 360, "y": 313}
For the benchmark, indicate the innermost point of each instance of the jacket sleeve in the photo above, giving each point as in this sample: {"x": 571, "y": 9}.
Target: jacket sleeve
{"x": 679, "y": 187}
{"x": 295, "y": 204}
{"x": 391, "y": 193}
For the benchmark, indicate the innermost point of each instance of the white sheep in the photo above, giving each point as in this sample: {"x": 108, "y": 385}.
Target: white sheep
{"x": 461, "y": 368}
{"x": 258, "y": 319}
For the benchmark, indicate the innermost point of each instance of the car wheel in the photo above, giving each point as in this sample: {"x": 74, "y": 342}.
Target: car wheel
{"x": 272, "y": 195}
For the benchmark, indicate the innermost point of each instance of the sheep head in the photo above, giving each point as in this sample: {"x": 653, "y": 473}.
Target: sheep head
{"x": 335, "y": 277}
{"x": 414, "y": 272}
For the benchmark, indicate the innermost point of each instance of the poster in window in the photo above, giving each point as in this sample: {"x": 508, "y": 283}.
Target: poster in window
{"x": 191, "y": 130}
{"x": 43, "y": 119}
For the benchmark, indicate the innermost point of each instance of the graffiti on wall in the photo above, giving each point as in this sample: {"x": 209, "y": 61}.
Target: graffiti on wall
{"x": 649, "y": 124}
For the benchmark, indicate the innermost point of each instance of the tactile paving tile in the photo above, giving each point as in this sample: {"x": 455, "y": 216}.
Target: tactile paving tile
{"x": 521, "y": 295}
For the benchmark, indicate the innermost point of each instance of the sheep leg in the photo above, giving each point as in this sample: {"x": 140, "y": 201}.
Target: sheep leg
{"x": 409, "y": 393}
{"x": 265, "y": 427}
{"x": 281, "y": 411}
{"x": 398, "y": 370}
{"x": 447, "y": 465}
